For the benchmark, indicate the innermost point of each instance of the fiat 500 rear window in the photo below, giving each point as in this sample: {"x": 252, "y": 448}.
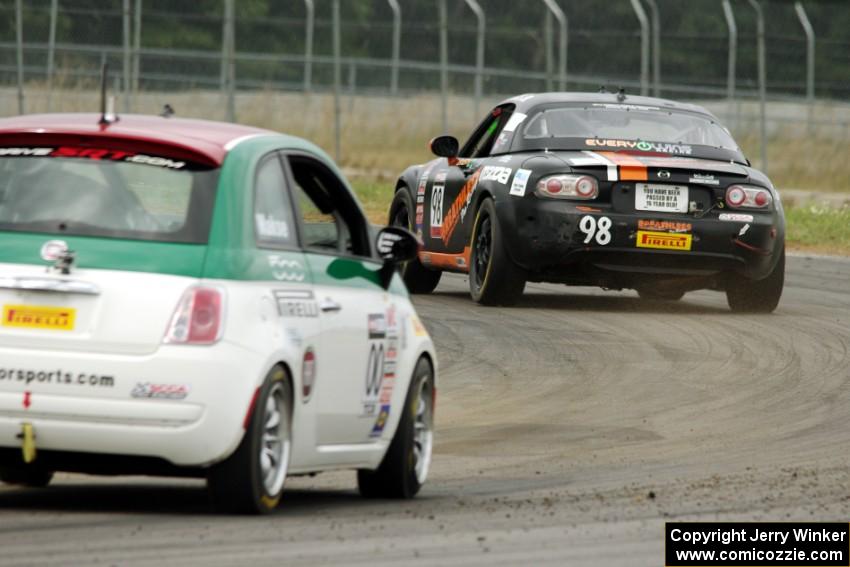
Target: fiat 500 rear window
{"x": 104, "y": 192}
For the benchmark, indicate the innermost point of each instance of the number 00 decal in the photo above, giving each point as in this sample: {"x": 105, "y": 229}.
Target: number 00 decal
{"x": 374, "y": 371}
{"x": 599, "y": 228}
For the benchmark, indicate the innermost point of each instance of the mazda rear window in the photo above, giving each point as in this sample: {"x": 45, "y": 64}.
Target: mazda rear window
{"x": 103, "y": 192}
{"x": 629, "y": 122}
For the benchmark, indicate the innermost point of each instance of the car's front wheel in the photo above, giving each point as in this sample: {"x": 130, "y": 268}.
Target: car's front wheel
{"x": 494, "y": 279}
{"x": 251, "y": 480}
{"x": 758, "y": 296}
{"x": 26, "y": 475}
{"x": 408, "y": 458}
{"x": 416, "y": 277}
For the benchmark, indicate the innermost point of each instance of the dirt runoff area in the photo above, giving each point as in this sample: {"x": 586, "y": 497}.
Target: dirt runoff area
{"x": 570, "y": 429}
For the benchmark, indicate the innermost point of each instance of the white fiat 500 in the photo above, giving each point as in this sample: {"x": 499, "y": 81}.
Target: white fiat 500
{"x": 182, "y": 297}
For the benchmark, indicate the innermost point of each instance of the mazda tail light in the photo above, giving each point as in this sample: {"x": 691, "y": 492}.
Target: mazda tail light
{"x": 567, "y": 186}
{"x": 745, "y": 197}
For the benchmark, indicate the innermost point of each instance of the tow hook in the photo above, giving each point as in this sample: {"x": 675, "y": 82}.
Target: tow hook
{"x": 27, "y": 437}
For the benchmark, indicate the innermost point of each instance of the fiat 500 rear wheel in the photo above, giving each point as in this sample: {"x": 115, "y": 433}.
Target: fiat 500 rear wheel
{"x": 27, "y": 475}
{"x": 417, "y": 277}
{"x": 251, "y": 480}
{"x": 408, "y": 459}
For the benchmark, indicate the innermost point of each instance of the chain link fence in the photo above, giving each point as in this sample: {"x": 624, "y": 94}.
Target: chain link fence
{"x": 408, "y": 69}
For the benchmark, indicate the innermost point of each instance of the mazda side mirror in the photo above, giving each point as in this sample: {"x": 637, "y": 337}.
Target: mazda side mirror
{"x": 445, "y": 146}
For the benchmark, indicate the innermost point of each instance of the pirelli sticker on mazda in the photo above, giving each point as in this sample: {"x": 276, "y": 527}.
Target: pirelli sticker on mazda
{"x": 663, "y": 240}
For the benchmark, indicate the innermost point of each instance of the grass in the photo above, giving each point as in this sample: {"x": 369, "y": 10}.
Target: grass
{"x": 818, "y": 229}
{"x": 375, "y": 197}
{"x": 808, "y": 228}
{"x": 816, "y": 163}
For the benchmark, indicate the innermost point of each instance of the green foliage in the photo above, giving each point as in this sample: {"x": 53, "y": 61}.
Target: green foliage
{"x": 819, "y": 228}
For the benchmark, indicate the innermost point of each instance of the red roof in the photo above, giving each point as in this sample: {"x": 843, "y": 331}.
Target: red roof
{"x": 204, "y": 137}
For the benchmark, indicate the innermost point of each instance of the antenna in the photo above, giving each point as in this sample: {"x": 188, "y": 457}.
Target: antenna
{"x": 107, "y": 104}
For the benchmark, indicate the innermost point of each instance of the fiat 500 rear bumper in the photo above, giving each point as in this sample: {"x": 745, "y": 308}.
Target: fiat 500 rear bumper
{"x": 185, "y": 405}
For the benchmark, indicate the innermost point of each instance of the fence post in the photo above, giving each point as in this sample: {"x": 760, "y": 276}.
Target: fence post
{"x": 733, "y": 57}
{"x": 352, "y": 84}
{"x": 396, "y": 45}
{"x": 479, "y": 52}
{"x": 222, "y": 80}
{"x": 562, "y": 41}
{"x": 444, "y": 62}
{"x": 137, "y": 48}
{"x": 310, "y": 25}
{"x": 644, "y": 46}
{"x": 810, "y": 61}
{"x": 51, "y": 51}
{"x": 125, "y": 91}
{"x": 337, "y": 80}
{"x": 656, "y": 47}
{"x": 19, "y": 40}
{"x": 547, "y": 39}
{"x": 230, "y": 58}
{"x": 762, "y": 78}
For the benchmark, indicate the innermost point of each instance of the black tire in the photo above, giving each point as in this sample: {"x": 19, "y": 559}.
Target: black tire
{"x": 758, "y": 296}
{"x": 237, "y": 484}
{"x": 494, "y": 279}
{"x": 398, "y": 475}
{"x": 416, "y": 277}
{"x": 659, "y": 295}
{"x": 26, "y": 475}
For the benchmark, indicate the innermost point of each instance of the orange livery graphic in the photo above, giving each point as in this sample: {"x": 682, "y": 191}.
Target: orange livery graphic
{"x": 459, "y": 206}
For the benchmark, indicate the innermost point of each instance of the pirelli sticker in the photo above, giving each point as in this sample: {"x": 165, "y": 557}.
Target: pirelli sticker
{"x": 663, "y": 240}
{"x": 37, "y": 317}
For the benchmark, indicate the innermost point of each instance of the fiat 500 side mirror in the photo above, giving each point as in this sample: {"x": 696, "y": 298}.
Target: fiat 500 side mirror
{"x": 395, "y": 245}
{"x": 445, "y": 146}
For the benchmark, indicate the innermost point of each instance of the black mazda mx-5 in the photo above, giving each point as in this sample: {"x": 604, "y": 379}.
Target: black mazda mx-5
{"x": 595, "y": 189}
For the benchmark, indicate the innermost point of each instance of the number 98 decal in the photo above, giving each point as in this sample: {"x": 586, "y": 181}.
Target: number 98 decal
{"x": 595, "y": 228}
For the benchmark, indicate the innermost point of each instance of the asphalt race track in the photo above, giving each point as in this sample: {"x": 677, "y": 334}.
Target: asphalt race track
{"x": 569, "y": 430}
